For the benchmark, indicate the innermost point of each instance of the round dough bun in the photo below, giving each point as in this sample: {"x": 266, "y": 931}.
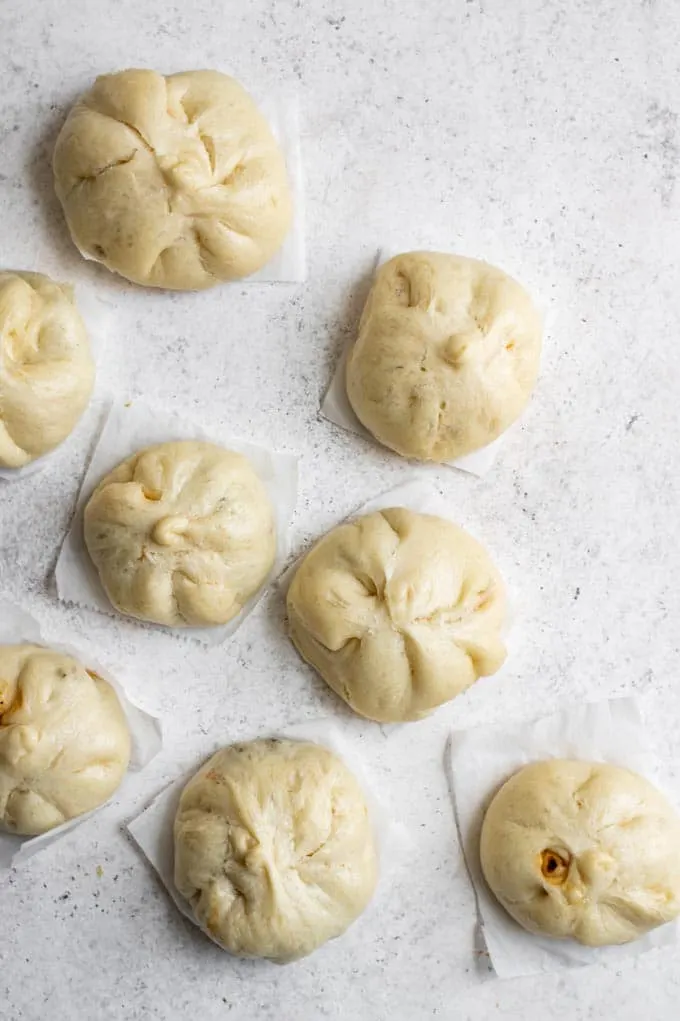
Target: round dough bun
{"x": 583, "y": 850}
{"x": 274, "y": 848}
{"x": 172, "y": 181}
{"x": 446, "y": 358}
{"x": 399, "y": 612}
{"x": 64, "y": 739}
{"x": 46, "y": 366}
{"x": 181, "y": 534}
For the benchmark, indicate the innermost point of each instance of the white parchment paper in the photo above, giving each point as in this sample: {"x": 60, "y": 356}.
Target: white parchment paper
{"x": 133, "y": 427}
{"x": 337, "y": 408}
{"x": 289, "y": 265}
{"x": 18, "y": 627}
{"x": 481, "y": 760}
{"x": 152, "y": 830}
{"x": 98, "y": 317}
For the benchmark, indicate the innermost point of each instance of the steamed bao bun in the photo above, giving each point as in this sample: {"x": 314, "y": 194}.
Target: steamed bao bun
{"x": 399, "y": 612}
{"x": 46, "y": 366}
{"x": 172, "y": 181}
{"x": 583, "y": 850}
{"x": 181, "y": 534}
{"x": 64, "y": 739}
{"x": 446, "y": 358}
{"x": 274, "y": 848}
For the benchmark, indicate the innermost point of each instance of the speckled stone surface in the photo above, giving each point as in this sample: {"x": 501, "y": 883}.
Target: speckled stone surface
{"x": 538, "y": 134}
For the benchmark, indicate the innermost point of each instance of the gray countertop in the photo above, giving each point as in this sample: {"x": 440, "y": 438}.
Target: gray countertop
{"x": 539, "y": 135}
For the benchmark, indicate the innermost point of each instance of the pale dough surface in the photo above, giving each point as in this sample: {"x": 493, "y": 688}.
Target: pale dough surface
{"x": 64, "y": 739}
{"x": 181, "y": 534}
{"x": 46, "y": 366}
{"x": 172, "y": 181}
{"x": 584, "y": 850}
{"x": 399, "y": 612}
{"x": 446, "y": 357}
{"x": 274, "y": 848}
